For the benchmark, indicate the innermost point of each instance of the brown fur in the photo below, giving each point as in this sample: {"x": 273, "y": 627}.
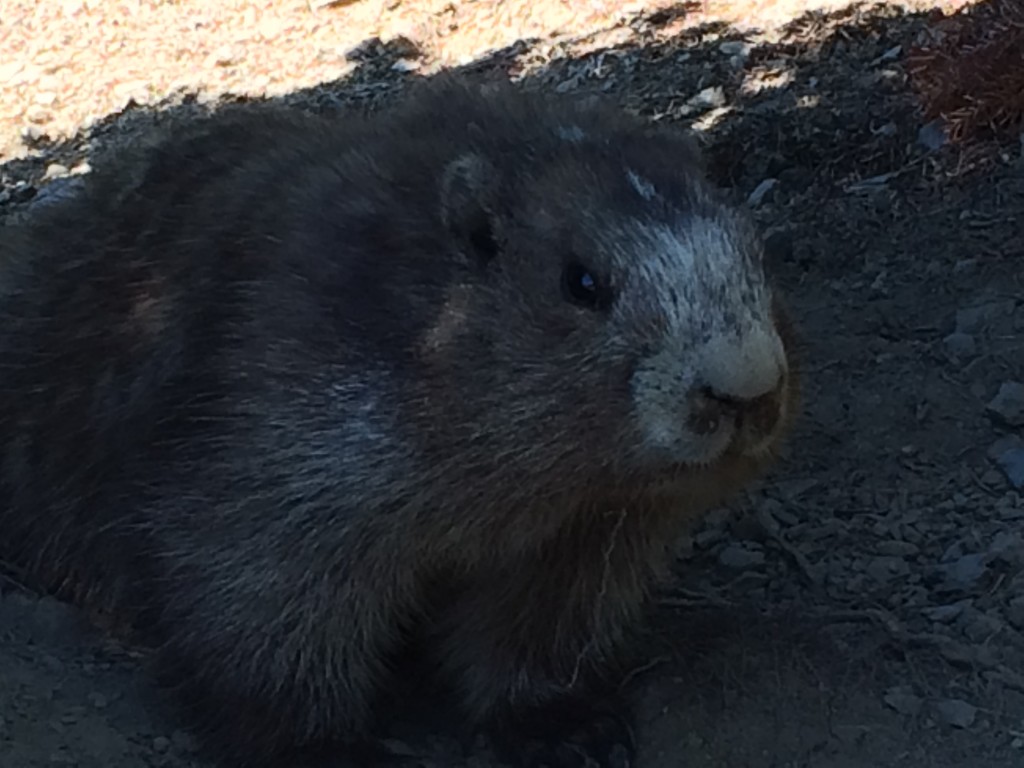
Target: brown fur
{"x": 290, "y": 391}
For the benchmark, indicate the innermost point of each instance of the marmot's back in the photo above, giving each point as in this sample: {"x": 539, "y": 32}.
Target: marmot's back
{"x": 280, "y": 381}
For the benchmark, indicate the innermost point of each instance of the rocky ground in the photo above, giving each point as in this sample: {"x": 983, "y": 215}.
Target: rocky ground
{"x": 865, "y": 605}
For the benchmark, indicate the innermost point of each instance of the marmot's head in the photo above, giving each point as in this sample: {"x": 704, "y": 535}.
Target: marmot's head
{"x": 609, "y": 294}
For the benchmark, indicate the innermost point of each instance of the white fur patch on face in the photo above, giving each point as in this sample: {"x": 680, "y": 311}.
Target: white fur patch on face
{"x": 643, "y": 187}
{"x": 715, "y": 332}
{"x": 660, "y": 389}
{"x": 743, "y": 367}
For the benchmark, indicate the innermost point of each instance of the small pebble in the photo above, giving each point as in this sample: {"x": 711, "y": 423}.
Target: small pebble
{"x": 1011, "y": 513}
{"x": 60, "y": 188}
{"x": 932, "y": 135}
{"x": 946, "y": 613}
{"x": 980, "y": 627}
{"x": 903, "y": 700}
{"x": 406, "y": 65}
{"x": 161, "y": 744}
{"x": 956, "y": 712}
{"x": 888, "y": 129}
{"x": 965, "y": 266}
{"x": 1007, "y": 546}
{"x": 976, "y": 318}
{"x": 762, "y": 192}
{"x": 55, "y": 171}
{"x": 1008, "y": 404}
{"x": 953, "y": 552}
{"x": 705, "y": 539}
{"x": 1012, "y": 463}
{"x": 1002, "y": 445}
{"x": 965, "y": 571}
{"x": 713, "y": 96}
{"x": 993, "y": 478}
{"x": 960, "y": 345}
{"x": 740, "y": 557}
{"x": 32, "y": 134}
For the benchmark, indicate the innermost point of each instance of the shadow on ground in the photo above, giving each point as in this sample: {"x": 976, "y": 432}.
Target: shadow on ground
{"x": 865, "y": 606}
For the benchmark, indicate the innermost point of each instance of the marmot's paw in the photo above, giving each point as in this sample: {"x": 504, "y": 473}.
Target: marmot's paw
{"x": 573, "y": 735}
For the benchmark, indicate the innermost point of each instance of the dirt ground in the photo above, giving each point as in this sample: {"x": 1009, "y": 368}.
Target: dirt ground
{"x": 865, "y": 605}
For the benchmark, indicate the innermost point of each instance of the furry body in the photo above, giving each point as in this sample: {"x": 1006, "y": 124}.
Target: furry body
{"x": 287, "y": 392}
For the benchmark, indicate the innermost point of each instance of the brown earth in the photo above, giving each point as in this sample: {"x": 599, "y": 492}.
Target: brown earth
{"x": 865, "y": 606}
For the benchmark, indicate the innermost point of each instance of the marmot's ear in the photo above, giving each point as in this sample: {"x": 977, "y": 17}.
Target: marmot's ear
{"x": 468, "y": 194}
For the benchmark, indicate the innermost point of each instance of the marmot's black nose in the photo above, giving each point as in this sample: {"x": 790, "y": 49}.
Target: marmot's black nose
{"x": 757, "y": 415}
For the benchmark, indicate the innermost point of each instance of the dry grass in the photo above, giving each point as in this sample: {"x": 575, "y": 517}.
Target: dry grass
{"x": 969, "y": 70}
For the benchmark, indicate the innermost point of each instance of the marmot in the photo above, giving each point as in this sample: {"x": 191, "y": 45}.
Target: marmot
{"x": 296, "y": 393}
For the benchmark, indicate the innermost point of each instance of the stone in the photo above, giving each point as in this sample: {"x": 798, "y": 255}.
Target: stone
{"x": 956, "y": 712}
{"x": 762, "y": 192}
{"x": 944, "y": 614}
{"x": 901, "y": 699}
{"x": 993, "y": 478}
{"x": 1008, "y": 547}
{"x": 740, "y": 557}
{"x": 963, "y": 572}
{"x": 1004, "y": 444}
{"x": 932, "y": 135}
{"x": 960, "y": 345}
{"x": 55, "y": 171}
{"x": 1012, "y": 463}
{"x": 707, "y": 538}
{"x": 60, "y": 188}
{"x": 976, "y": 318}
{"x": 980, "y": 627}
{"x": 1008, "y": 404}
{"x": 713, "y": 96}
{"x": 965, "y": 266}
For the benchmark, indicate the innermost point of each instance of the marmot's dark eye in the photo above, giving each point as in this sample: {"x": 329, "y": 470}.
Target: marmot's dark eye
{"x": 580, "y": 286}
